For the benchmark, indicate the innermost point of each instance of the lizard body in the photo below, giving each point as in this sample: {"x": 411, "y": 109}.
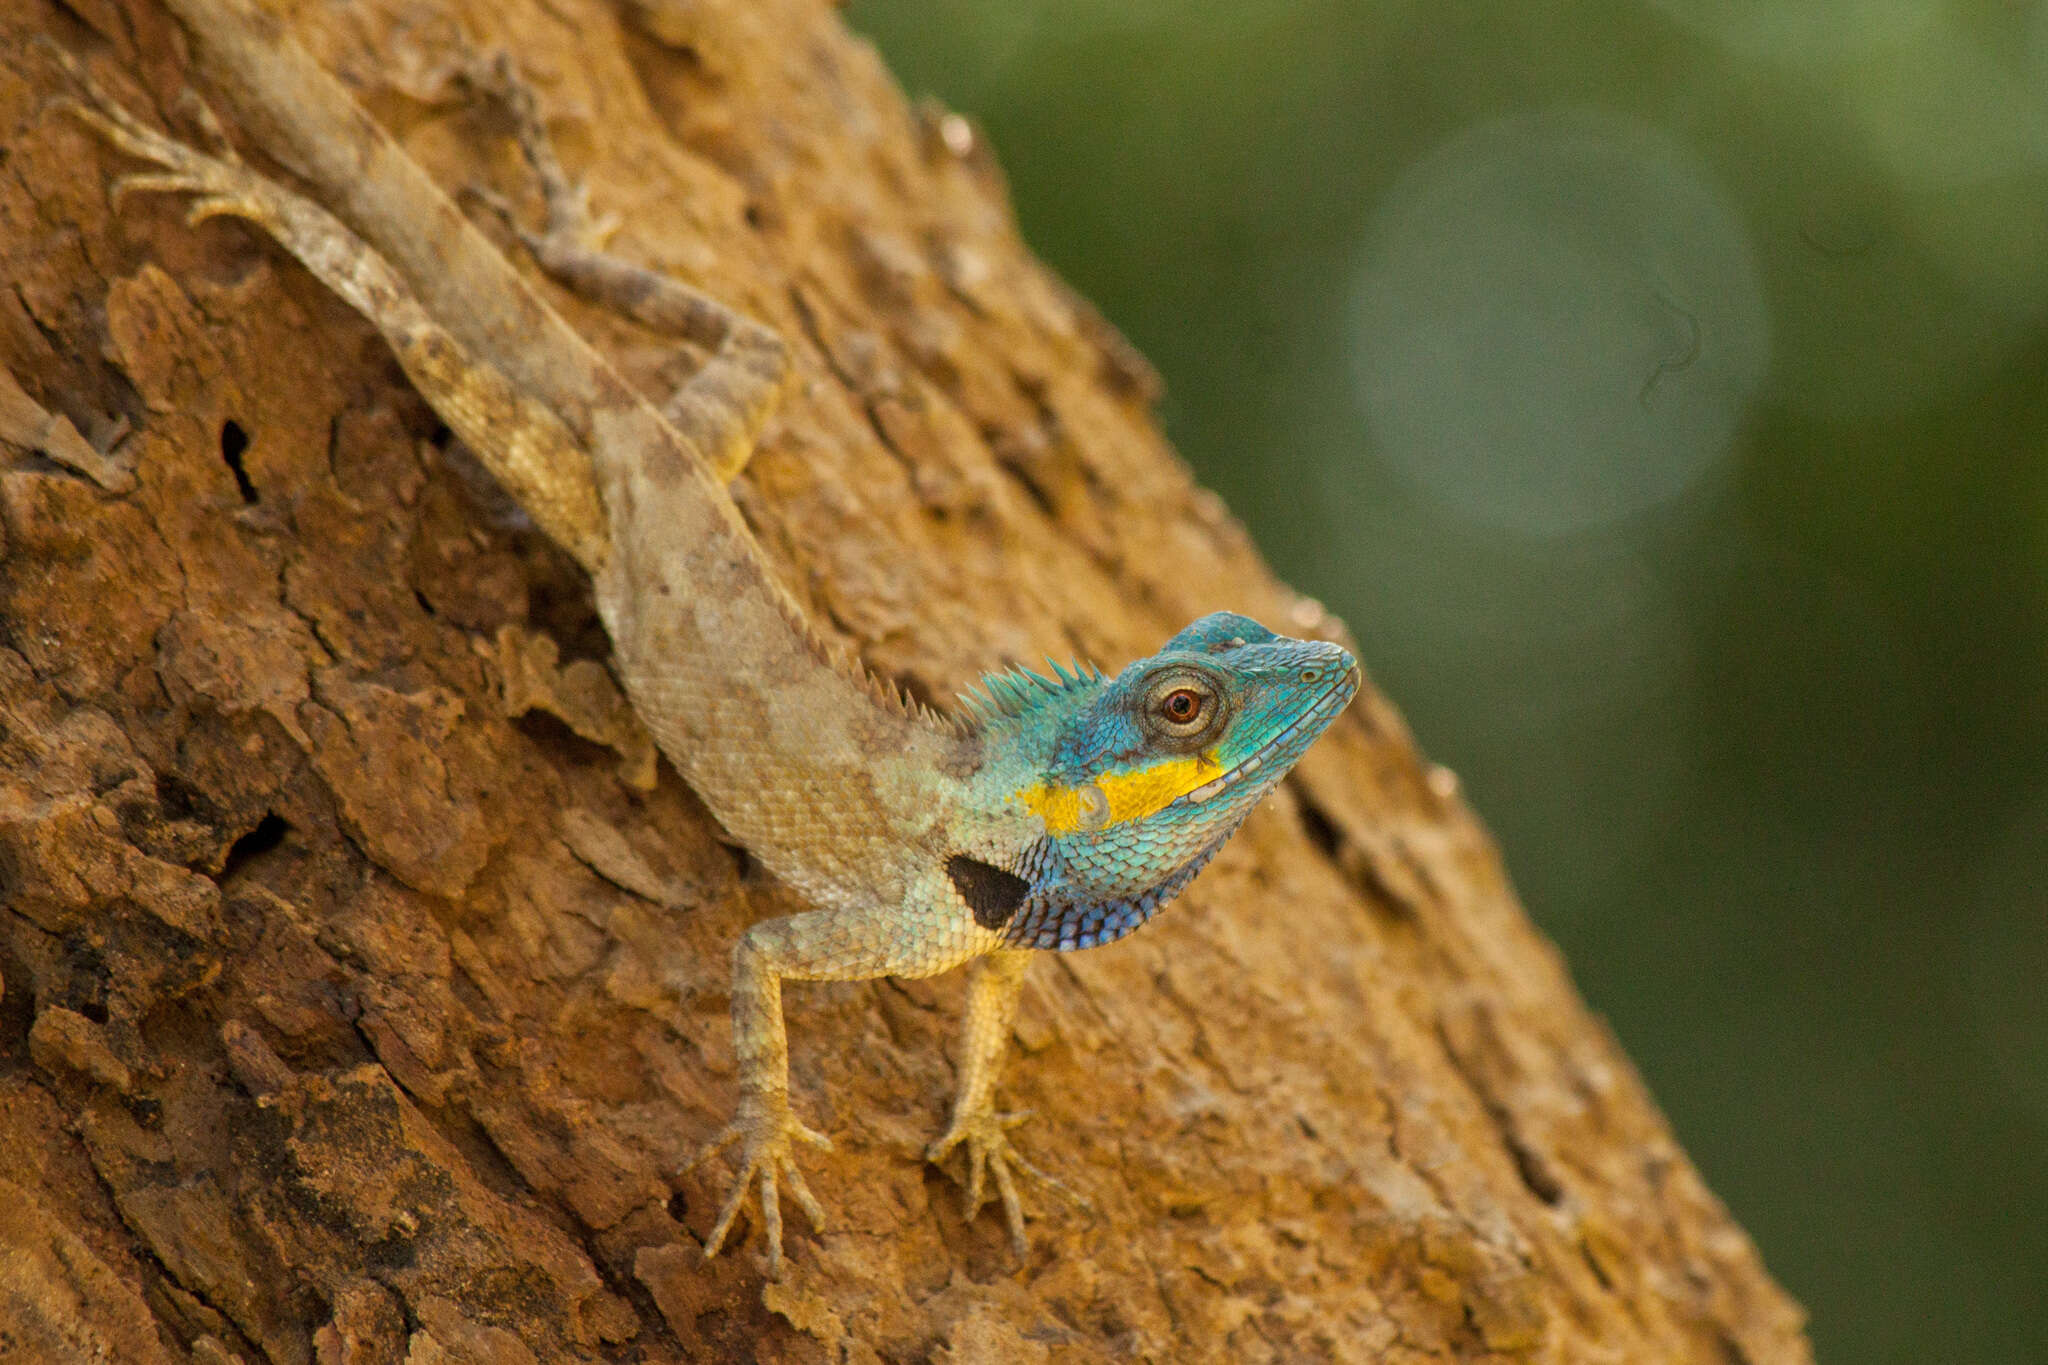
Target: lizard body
{"x": 1052, "y": 812}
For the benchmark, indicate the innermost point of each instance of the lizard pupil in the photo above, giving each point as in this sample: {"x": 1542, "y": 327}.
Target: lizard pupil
{"x": 1182, "y": 706}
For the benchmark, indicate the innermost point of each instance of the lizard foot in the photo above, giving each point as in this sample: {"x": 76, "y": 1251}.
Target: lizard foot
{"x": 724, "y": 405}
{"x": 222, "y": 185}
{"x": 766, "y": 1133}
{"x": 986, "y": 1135}
{"x": 572, "y": 234}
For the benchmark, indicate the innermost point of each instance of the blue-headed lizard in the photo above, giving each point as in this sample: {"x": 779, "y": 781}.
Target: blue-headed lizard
{"x": 1052, "y": 812}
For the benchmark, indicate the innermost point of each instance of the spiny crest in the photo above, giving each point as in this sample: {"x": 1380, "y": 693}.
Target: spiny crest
{"x": 843, "y": 660}
{"x": 894, "y": 697}
{"x": 1014, "y": 693}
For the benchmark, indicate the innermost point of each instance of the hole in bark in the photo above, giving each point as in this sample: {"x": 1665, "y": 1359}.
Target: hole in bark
{"x": 678, "y": 1207}
{"x": 554, "y": 732}
{"x": 394, "y": 1251}
{"x": 1317, "y": 826}
{"x": 234, "y": 442}
{"x": 17, "y": 1009}
{"x": 83, "y": 984}
{"x": 1593, "y": 1264}
{"x": 1016, "y": 468}
{"x": 1530, "y": 1165}
{"x": 177, "y": 798}
{"x": 148, "y": 1113}
{"x": 1732, "y": 1349}
{"x": 267, "y": 835}
{"x": 742, "y": 861}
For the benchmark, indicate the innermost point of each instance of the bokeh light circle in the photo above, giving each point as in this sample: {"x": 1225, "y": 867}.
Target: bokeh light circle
{"x": 1558, "y": 322}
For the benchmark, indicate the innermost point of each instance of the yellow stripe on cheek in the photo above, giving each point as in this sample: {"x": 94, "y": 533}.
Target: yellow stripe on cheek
{"x": 1131, "y": 795}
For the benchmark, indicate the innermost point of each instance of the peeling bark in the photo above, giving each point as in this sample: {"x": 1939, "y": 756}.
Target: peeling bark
{"x": 345, "y": 1017}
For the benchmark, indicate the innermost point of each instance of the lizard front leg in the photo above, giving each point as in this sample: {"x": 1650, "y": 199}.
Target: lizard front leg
{"x": 821, "y": 945}
{"x": 762, "y": 1123}
{"x": 976, "y": 1123}
{"x": 723, "y": 407}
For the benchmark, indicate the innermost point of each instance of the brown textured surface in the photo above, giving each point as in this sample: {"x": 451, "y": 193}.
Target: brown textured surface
{"x": 344, "y": 1019}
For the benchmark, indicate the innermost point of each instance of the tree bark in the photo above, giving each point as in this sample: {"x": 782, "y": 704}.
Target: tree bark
{"x": 348, "y": 1018}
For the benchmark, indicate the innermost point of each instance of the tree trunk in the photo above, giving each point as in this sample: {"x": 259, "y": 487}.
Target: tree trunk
{"x": 348, "y": 1018}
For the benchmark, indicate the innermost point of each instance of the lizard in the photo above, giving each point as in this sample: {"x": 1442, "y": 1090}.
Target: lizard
{"x": 1048, "y": 811}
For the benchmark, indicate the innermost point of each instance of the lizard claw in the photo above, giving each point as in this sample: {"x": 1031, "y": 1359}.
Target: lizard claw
{"x": 221, "y": 185}
{"x": 766, "y": 1133}
{"x": 989, "y": 1153}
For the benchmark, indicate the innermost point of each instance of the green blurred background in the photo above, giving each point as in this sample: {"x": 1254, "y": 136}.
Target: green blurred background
{"x": 1660, "y": 390}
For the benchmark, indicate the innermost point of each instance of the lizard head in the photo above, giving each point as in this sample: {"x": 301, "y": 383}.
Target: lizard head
{"x": 1139, "y": 778}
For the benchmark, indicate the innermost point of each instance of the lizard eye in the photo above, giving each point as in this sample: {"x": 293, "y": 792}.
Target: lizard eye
{"x": 1184, "y": 707}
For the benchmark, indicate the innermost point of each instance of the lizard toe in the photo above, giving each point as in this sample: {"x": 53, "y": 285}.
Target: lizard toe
{"x": 991, "y": 1159}
{"x": 766, "y": 1137}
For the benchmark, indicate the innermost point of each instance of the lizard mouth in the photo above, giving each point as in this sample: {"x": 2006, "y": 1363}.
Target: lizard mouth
{"x": 1313, "y": 720}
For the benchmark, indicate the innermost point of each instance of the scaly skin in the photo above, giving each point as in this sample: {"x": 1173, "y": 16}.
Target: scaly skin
{"x": 1054, "y": 813}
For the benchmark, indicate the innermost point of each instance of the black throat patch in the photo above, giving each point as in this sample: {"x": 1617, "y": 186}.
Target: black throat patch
{"x": 990, "y": 892}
